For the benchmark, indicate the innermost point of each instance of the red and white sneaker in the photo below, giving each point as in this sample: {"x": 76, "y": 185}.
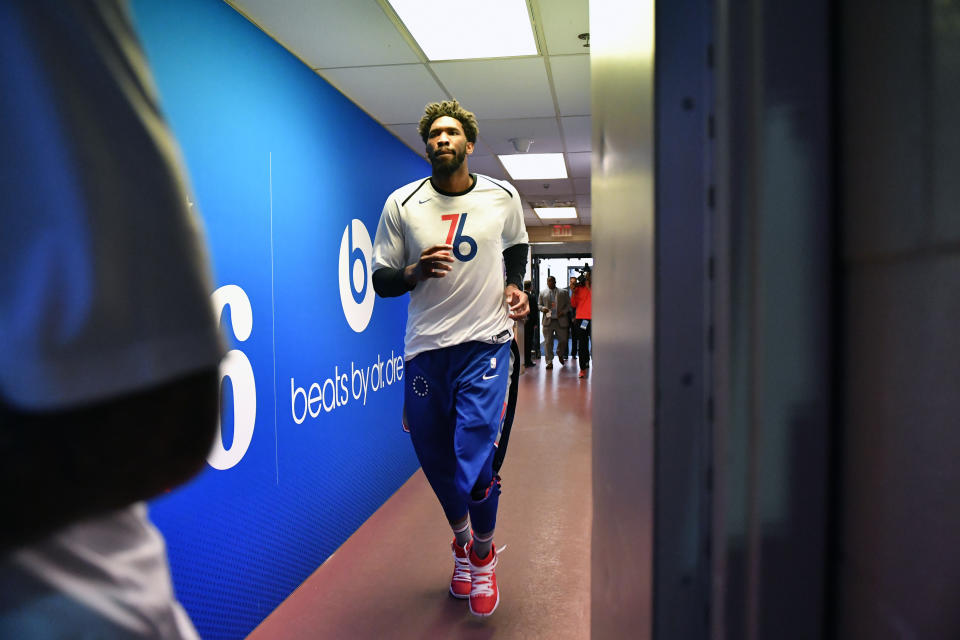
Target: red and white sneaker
{"x": 460, "y": 583}
{"x": 484, "y": 595}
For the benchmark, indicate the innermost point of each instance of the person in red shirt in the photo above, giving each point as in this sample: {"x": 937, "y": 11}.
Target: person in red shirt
{"x": 581, "y": 300}
{"x": 574, "y": 335}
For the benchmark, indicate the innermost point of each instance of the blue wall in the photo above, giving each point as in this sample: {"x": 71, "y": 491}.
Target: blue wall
{"x": 280, "y": 164}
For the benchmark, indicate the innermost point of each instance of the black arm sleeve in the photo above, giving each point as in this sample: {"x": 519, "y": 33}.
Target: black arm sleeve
{"x": 515, "y": 260}
{"x": 389, "y": 283}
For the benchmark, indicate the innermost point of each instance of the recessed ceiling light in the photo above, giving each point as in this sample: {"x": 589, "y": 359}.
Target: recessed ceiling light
{"x": 534, "y": 166}
{"x": 556, "y": 213}
{"x": 496, "y": 28}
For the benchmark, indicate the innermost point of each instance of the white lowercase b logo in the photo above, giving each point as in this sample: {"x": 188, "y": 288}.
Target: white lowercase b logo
{"x": 356, "y": 279}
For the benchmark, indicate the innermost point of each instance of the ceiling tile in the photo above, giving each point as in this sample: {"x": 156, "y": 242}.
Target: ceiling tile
{"x": 571, "y": 79}
{"x": 487, "y": 165}
{"x": 581, "y": 186}
{"x": 562, "y": 21}
{"x": 560, "y": 191}
{"x": 481, "y": 149}
{"x": 532, "y": 190}
{"x": 530, "y": 216}
{"x": 577, "y": 132}
{"x": 545, "y": 132}
{"x": 334, "y": 33}
{"x": 579, "y": 164}
{"x": 584, "y": 213}
{"x": 408, "y": 134}
{"x": 510, "y": 88}
{"x": 583, "y": 201}
{"x": 393, "y": 94}
{"x": 531, "y": 220}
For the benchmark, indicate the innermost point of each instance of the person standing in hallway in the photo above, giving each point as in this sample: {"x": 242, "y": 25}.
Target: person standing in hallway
{"x": 555, "y": 305}
{"x": 110, "y": 347}
{"x": 447, "y": 240}
{"x": 530, "y": 342}
{"x": 572, "y": 315}
{"x": 581, "y": 300}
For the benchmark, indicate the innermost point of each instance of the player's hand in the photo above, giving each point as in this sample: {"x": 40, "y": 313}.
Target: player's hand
{"x": 434, "y": 262}
{"x": 518, "y": 302}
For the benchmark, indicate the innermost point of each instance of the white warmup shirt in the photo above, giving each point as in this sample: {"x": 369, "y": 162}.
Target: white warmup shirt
{"x": 104, "y": 291}
{"x": 468, "y": 303}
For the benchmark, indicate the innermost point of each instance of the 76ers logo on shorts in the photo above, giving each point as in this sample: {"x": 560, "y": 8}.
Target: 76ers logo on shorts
{"x": 356, "y": 279}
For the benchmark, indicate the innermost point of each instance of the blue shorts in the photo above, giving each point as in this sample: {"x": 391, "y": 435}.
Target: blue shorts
{"x": 455, "y": 399}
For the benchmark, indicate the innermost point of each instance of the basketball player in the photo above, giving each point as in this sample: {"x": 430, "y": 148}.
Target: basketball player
{"x": 448, "y": 240}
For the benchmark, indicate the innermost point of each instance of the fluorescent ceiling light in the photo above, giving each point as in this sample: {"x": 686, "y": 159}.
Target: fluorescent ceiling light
{"x": 556, "y": 213}
{"x": 462, "y": 30}
{"x": 546, "y": 243}
{"x": 534, "y": 166}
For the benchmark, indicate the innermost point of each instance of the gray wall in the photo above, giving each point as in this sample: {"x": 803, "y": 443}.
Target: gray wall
{"x": 836, "y": 320}
{"x": 899, "y": 575}
{"x": 773, "y": 317}
{"x": 684, "y": 100}
{"x": 622, "y": 375}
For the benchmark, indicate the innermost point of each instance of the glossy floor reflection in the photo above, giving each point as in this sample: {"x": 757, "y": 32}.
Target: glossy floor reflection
{"x": 390, "y": 579}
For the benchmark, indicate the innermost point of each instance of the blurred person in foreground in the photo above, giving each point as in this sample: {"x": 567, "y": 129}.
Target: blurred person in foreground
{"x": 109, "y": 350}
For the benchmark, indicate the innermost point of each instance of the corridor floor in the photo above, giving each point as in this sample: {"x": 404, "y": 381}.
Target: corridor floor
{"x": 390, "y": 578}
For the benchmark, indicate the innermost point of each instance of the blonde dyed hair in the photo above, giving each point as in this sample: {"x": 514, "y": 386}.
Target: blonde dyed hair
{"x": 453, "y": 109}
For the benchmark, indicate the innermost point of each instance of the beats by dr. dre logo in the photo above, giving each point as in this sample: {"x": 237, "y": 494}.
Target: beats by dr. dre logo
{"x": 237, "y": 367}
{"x": 356, "y": 280}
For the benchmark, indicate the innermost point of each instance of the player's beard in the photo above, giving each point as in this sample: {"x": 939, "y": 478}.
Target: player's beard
{"x": 446, "y": 164}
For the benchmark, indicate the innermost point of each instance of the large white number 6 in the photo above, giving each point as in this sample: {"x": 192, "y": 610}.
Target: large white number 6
{"x": 237, "y": 367}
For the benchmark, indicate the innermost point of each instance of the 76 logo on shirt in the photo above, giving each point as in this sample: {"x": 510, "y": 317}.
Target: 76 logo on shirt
{"x": 456, "y": 237}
